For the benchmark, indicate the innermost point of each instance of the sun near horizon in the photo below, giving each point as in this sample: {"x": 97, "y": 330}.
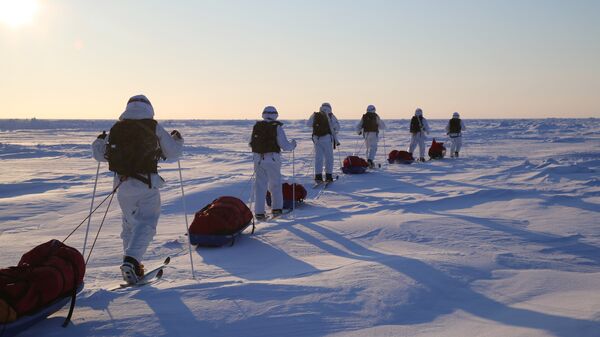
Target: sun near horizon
{"x": 18, "y": 13}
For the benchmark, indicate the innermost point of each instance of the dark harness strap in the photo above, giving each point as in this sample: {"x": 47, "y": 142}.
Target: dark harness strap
{"x": 138, "y": 176}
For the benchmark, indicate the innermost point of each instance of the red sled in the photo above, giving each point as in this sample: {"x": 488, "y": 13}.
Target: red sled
{"x": 354, "y": 165}
{"x": 288, "y": 195}
{"x": 45, "y": 279}
{"x": 220, "y": 222}
{"x": 400, "y": 157}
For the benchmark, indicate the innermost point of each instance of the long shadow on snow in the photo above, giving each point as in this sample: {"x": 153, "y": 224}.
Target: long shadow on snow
{"x": 445, "y": 294}
{"x": 574, "y": 202}
{"x": 468, "y": 200}
{"x": 253, "y": 309}
{"x": 566, "y": 245}
{"x": 487, "y": 194}
{"x": 395, "y": 184}
{"x": 231, "y": 308}
{"x": 265, "y": 263}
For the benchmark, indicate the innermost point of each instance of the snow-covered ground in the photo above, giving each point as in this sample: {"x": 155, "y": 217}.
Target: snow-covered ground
{"x": 504, "y": 241}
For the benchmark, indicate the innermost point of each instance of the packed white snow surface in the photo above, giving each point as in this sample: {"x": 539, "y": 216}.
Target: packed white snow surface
{"x": 504, "y": 241}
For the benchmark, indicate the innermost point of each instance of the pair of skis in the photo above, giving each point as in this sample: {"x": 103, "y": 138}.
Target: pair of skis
{"x": 151, "y": 276}
{"x": 273, "y": 217}
{"x": 325, "y": 184}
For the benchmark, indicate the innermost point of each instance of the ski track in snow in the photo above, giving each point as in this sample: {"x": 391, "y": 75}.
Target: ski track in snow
{"x": 504, "y": 241}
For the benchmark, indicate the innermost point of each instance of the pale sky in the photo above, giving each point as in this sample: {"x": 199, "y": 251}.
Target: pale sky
{"x": 225, "y": 59}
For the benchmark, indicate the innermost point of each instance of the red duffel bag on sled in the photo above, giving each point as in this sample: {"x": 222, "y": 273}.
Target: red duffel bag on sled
{"x": 354, "y": 165}
{"x": 288, "y": 195}
{"x": 220, "y": 222}
{"x": 45, "y": 279}
{"x": 437, "y": 150}
{"x": 400, "y": 157}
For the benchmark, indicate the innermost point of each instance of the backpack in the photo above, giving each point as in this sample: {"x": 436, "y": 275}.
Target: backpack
{"x": 437, "y": 150}
{"x": 220, "y": 222}
{"x": 133, "y": 148}
{"x": 288, "y": 195}
{"x": 369, "y": 122}
{"x": 320, "y": 124}
{"x": 45, "y": 274}
{"x": 400, "y": 157}
{"x": 455, "y": 126}
{"x": 416, "y": 124}
{"x": 354, "y": 165}
{"x": 264, "y": 137}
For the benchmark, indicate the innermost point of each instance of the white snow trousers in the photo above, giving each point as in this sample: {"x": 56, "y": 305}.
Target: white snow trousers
{"x": 417, "y": 138}
{"x": 267, "y": 169}
{"x": 323, "y": 151}
{"x": 455, "y": 144}
{"x": 371, "y": 140}
{"x": 141, "y": 208}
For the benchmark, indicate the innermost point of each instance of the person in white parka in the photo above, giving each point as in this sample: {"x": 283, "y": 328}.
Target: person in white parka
{"x": 267, "y": 141}
{"x": 419, "y": 128}
{"x": 369, "y": 127}
{"x": 325, "y": 127}
{"x": 138, "y": 192}
{"x": 454, "y": 130}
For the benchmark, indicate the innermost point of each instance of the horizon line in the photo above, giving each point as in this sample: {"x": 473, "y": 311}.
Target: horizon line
{"x": 282, "y": 119}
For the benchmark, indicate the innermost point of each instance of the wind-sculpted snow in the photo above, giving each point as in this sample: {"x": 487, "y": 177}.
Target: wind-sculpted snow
{"x": 503, "y": 241}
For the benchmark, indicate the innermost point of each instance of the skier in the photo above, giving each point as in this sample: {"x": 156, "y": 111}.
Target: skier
{"x": 454, "y": 130}
{"x": 369, "y": 127}
{"x": 132, "y": 149}
{"x": 418, "y": 130}
{"x": 325, "y": 127}
{"x": 267, "y": 141}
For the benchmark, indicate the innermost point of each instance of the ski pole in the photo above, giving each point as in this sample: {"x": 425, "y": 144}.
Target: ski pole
{"x": 187, "y": 226}
{"x": 340, "y": 157}
{"x": 252, "y": 187}
{"x": 293, "y": 180}
{"x": 246, "y": 186}
{"x": 360, "y": 148}
{"x": 99, "y": 229}
{"x": 74, "y": 294}
{"x": 385, "y": 154}
{"x": 306, "y": 168}
{"x": 87, "y": 229}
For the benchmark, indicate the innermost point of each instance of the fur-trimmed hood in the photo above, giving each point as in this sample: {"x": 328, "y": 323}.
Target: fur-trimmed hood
{"x": 138, "y": 107}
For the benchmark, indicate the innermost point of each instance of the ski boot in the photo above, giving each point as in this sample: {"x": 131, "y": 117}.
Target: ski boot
{"x": 422, "y": 159}
{"x": 277, "y": 212}
{"x": 318, "y": 178}
{"x": 371, "y": 163}
{"x": 456, "y": 154}
{"x": 328, "y": 177}
{"x": 131, "y": 270}
{"x": 260, "y": 216}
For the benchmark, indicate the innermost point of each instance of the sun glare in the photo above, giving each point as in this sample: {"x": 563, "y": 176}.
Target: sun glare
{"x": 16, "y": 13}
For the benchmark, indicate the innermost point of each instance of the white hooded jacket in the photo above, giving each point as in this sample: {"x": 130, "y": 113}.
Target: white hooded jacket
{"x": 171, "y": 146}
{"x": 334, "y": 124}
{"x": 462, "y": 128}
{"x": 282, "y": 140}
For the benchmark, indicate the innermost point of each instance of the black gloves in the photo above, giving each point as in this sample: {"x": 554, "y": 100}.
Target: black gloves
{"x": 102, "y": 135}
{"x": 176, "y": 134}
